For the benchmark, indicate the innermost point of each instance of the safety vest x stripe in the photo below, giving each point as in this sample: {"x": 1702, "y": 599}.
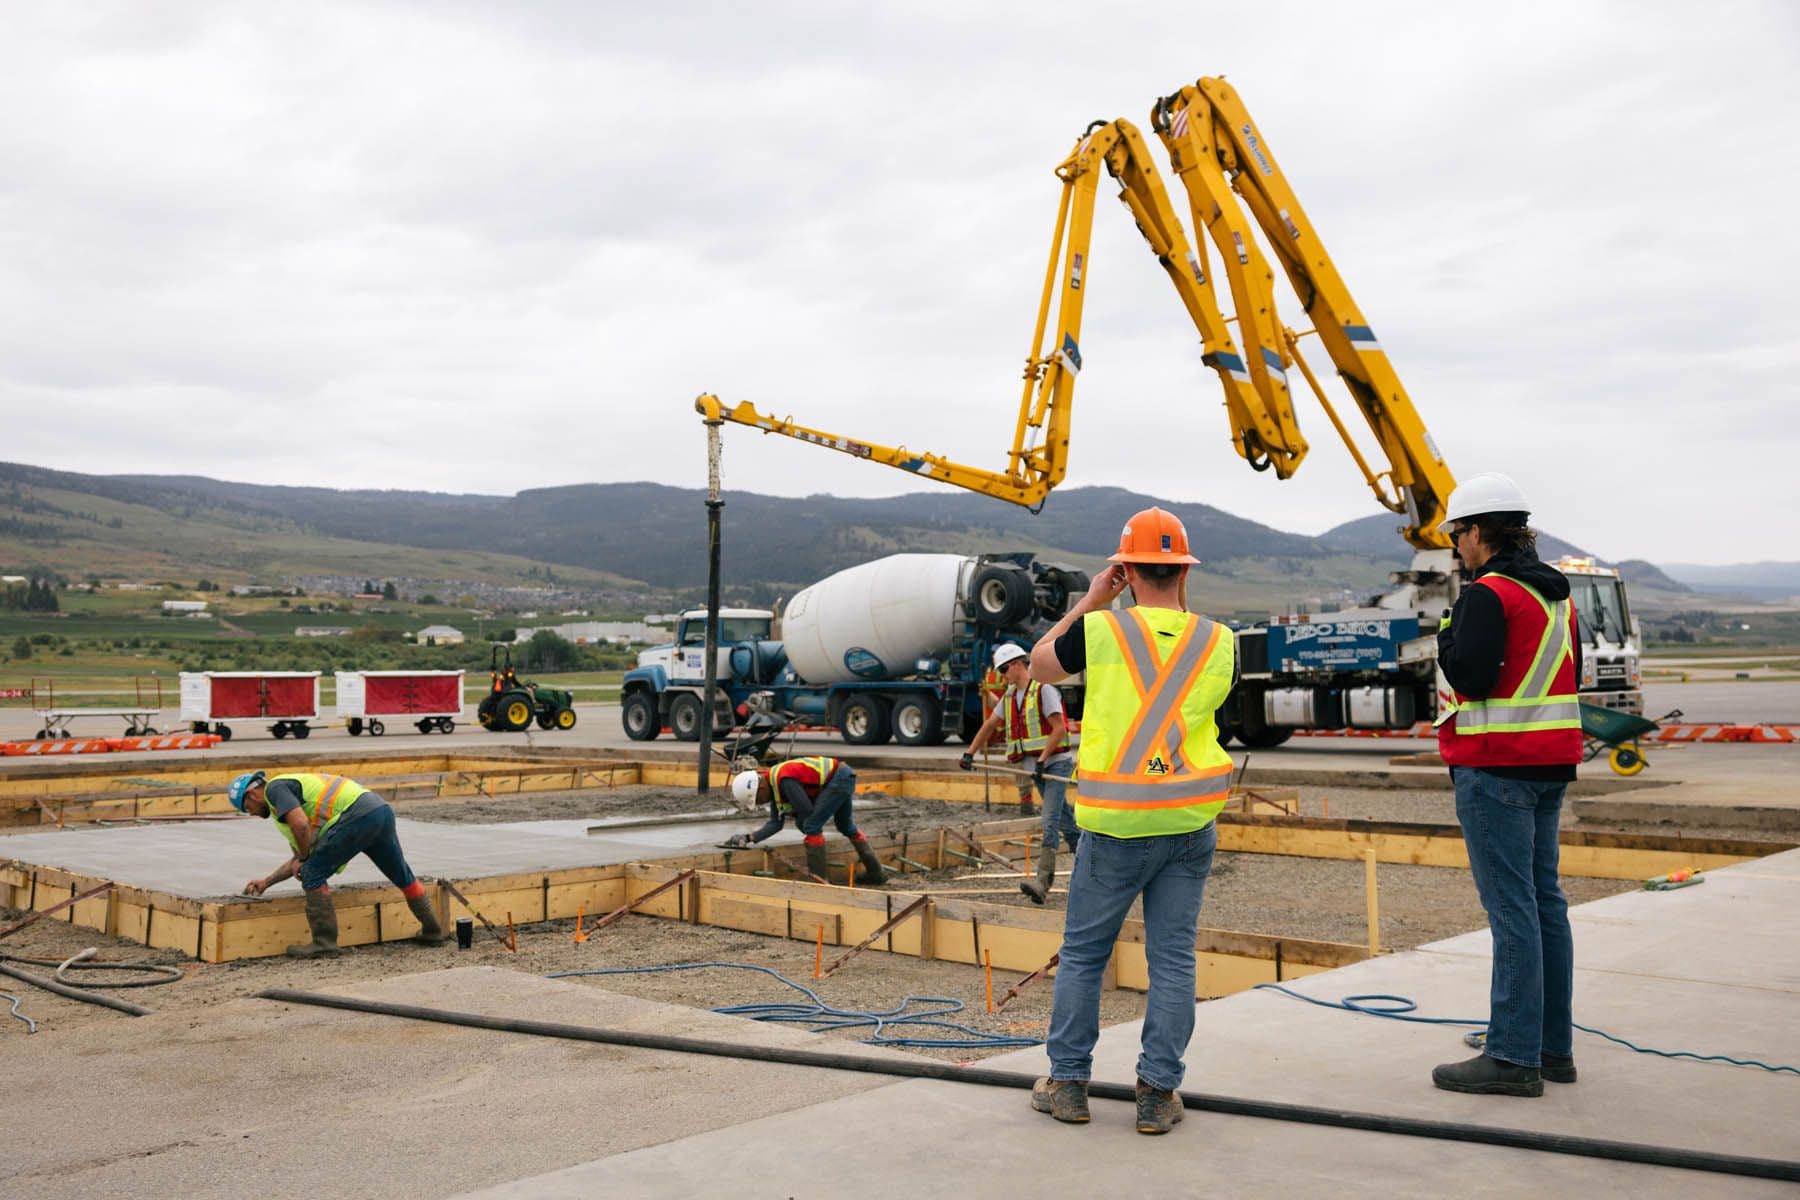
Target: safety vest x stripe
{"x": 1531, "y": 707}
{"x": 1161, "y": 700}
{"x": 327, "y": 800}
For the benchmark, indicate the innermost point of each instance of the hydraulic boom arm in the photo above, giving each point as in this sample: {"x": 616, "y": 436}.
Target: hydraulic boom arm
{"x": 1220, "y": 158}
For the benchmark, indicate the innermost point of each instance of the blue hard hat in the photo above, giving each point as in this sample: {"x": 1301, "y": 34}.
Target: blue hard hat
{"x": 240, "y": 786}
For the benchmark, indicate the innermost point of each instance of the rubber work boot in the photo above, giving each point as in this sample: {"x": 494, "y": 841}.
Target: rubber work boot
{"x": 1157, "y": 1111}
{"x": 1558, "y": 1068}
{"x": 430, "y": 932}
{"x": 321, "y": 918}
{"x": 1486, "y": 1076}
{"x": 1038, "y": 889}
{"x": 817, "y": 861}
{"x": 872, "y": 872}
{"x": 1026, "y": 807}
{"x": 1064, "y": 1099}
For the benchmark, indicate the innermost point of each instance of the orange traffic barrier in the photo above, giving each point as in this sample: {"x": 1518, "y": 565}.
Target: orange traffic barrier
{"x": 59, "y": 746}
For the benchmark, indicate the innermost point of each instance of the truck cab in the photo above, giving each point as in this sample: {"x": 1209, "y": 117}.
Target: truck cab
{"x": 664, "y": 688}
{"x": 1611, "y": 640}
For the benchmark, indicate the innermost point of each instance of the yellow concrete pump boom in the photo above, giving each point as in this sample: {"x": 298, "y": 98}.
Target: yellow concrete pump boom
{"x": 1221, "y": 158}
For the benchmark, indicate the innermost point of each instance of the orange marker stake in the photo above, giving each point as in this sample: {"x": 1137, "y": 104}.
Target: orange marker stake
{"x": 987, "y": 958}
{"x": 580, "y": 933}
{"x": 1326, "y": 801}
{"x": 512, "y": 935}
{"x": 850, "y": 874}
{"x": 819, "y": 955}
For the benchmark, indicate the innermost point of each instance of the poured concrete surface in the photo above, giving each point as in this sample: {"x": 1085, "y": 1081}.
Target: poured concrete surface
{"x": 1712, "y": 968}
{"x": 208, "y": 859}
{"x": 253, "y": 1098}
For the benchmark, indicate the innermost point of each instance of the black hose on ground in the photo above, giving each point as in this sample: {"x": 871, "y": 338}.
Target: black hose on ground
{"x": 1522, "y": 1139}
{"x": 74, "y": 993}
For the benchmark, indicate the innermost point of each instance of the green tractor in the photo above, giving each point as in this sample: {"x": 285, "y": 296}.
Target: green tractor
{"x": 512, "y": 704}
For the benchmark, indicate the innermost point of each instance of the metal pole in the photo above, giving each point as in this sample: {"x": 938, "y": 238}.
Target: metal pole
{"x": 714, "y": 506}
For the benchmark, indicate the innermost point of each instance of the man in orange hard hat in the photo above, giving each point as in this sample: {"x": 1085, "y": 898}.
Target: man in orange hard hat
{"x": 1152, "y": 779}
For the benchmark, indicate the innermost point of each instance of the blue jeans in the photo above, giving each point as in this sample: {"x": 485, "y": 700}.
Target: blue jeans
{"x": 1170, "y": 871}
{"x": 368, "y": 828}
{"x": 1510, "y": 828}
{"x": 833, "y": 804}
{"x": 1059, "y": 814}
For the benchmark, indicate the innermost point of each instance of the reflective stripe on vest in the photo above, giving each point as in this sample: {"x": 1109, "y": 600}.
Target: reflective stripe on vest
{"x": 324, "y": 799}
{"x": 1533, "y": 705}
{"x": 1025, "y": 732}
{"x": 1150, "y": 759}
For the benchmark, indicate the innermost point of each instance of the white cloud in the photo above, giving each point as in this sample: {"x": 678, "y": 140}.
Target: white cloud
{"x": 482, "y": 247}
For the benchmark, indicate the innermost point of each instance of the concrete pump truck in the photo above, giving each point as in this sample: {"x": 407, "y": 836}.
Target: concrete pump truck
{"x": 1370, "y": 667}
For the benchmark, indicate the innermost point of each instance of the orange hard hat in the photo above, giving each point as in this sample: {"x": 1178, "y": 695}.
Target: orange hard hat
{"x": 1153, "y": 536}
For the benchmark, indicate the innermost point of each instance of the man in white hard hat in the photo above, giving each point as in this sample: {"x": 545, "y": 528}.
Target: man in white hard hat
{"x": 1030, "y": 715}
{"x": 813, "y": 791}
{"x": 1512, "y": 738}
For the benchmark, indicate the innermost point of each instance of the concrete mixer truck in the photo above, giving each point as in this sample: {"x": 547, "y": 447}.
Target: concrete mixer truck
{"x": 891, "y": 649}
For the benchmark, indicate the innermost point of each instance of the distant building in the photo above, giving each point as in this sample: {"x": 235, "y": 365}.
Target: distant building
{"x": 321, "y": 631}
{"x": 252, "y": 589}
{"x": 184, "y": 606}
{"x": 593, "y": 633}
{"x": 439, "y": 635}
{"x": 7, "y": 579}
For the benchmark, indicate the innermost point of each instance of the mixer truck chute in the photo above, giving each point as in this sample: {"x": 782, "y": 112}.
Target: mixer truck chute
{"x": 893, "y": 649}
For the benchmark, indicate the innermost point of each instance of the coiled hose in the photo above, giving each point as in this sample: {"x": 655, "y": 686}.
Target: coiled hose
{"x": 62, "y": 985}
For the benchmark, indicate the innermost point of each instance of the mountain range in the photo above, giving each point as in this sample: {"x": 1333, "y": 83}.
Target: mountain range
{"x": 618, "y": 536}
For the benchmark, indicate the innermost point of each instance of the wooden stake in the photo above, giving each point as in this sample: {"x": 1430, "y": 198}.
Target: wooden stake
{"x": 1374, "y": 904}
{"x": 512, "y": 934}
{"x": 1326, "y": 801}
{"x": 987, "y": 962}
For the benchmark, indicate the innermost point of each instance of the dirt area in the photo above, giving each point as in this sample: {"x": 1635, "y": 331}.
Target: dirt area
{"x": 1298, "y": 897}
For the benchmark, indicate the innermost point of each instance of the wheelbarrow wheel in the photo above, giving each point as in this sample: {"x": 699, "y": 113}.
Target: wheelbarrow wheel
{"x": 1626, "y": 760}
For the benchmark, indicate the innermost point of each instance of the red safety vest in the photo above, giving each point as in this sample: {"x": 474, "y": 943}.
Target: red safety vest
{"x": 809, "y": 773}
{"x": 1533, "y": 715}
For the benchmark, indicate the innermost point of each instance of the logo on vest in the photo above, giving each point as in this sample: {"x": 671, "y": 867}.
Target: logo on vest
{"x": 1157, "y": 766}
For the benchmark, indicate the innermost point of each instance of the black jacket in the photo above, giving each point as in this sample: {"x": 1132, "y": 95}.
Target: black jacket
{"x": 1471, "y": 646}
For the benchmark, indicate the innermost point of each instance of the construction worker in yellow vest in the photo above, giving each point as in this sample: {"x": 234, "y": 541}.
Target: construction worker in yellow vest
{"x": 327, "y": 821}
{"x": 1152, "y": 779}
{"x": 1030, "y": 717}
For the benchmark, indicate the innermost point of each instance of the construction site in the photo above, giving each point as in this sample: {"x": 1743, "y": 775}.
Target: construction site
{"x": 786, "y": 912}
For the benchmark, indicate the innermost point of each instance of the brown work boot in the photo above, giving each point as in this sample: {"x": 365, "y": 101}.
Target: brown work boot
{"x": 1157, "y": 1111}
{"x": 430, "y": 932}
{"x": 872, "y": 872}
{"x": 1039, "y": 889}
{"x": 321, "y": 919}
{"x": 1064, "y": 1099}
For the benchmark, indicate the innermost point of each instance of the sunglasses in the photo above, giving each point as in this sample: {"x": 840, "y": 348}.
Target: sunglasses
{"x": 1457, "y": 531}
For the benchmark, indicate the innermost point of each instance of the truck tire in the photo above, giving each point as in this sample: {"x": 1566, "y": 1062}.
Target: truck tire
{"x": 638, "y": 714}
{"x": 301, "y": 729}
{"x": 446, "y": 724}
{"x": 1002, "y": 595}
{"x": 918, "y": 721}
{"x": 484, "y": 712}
{"x": 376, "y": 729}
{"x": 684, "y": 717}
{"x": 864, "y": 721}
{"x": 354, "y": 726}
{"x": 511, "y": 713}
{"x": 1266, "y": 738}
{"x": 279, "y": 729}
{"x": 1061, "y": 586}
{"x": 565, "y": 718}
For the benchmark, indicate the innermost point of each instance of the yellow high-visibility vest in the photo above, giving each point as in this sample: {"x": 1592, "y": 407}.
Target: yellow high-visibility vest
{"x": 324, "y": 799}
{"x": 1022, "y": 709}
{"x": 1150, "y": 760}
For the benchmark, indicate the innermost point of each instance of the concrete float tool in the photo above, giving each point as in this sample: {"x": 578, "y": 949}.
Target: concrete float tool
{"x": 1522, "y": 1139}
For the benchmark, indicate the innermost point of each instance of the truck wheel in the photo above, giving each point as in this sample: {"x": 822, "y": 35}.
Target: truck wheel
{"x": 545, "y": 721}
{"x": 354, "y": 725}
{"x": 565, "y": 718}
{"x": 1003, "y": 595}
{"x": 425, "y": 725}
{"x": 513, "y": 713}
{"x": 301, "y": 730}
{"x": 684, "y": 717}
{"x": 279, "y": 729}
{"x": 376, "y": 728}
{"x": 224, "y": 731}
{"x": 446, "y": 725}
{"x": 864, "y": 721}
{"x": 918, "y": 721}
{"x": 485, "y": 711}
{"x": 639, "y": 717}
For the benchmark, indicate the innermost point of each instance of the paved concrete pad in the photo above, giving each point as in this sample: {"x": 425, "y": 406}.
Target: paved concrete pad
{"x": 207, "y": 859}
{"x": 1705, "y": 968}
{"x": 252, "y": 1098}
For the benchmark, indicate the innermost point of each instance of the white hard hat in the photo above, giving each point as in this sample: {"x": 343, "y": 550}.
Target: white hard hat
{"x": 1488, "y": 492}
{"x": 1005, "y": 652}
{"x": 744, "y": 786}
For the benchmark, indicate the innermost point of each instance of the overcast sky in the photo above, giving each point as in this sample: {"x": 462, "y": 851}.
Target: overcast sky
{"x": 484, "y": 247}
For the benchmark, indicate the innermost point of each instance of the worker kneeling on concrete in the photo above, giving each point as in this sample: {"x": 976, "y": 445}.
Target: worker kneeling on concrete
{"x": 329, "y": 820}
{"x": 814, "y": 790}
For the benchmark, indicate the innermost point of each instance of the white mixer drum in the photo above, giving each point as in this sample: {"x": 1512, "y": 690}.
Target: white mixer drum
{"x": 876, "y": 620}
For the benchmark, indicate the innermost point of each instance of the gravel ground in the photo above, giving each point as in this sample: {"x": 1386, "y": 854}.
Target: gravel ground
{"x": 1296, "y": 897}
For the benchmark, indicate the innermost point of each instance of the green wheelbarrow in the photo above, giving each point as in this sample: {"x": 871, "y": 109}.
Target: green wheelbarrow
{"x": 1615, "y": 732}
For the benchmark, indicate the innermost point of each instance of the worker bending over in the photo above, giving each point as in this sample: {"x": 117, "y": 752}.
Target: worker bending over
{"x": 814, "y": 791}
{"x": 329, "y": 820}
{"x": 1031, "y": 713}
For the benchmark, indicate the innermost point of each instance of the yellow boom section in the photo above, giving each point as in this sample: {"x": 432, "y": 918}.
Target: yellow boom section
{"x": 1221, "y": 159}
